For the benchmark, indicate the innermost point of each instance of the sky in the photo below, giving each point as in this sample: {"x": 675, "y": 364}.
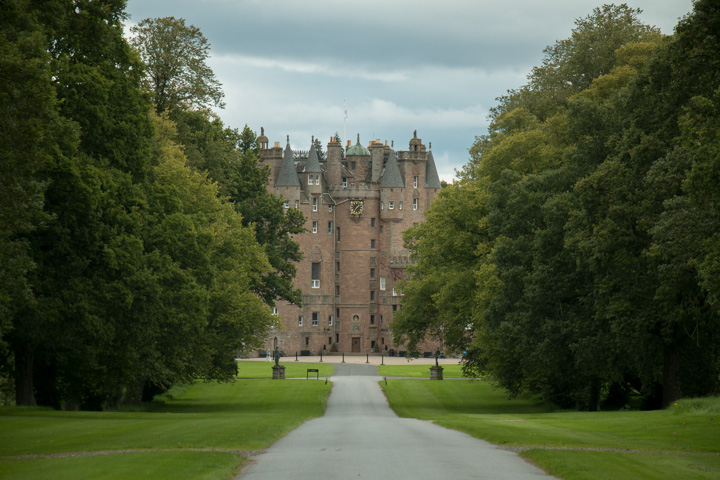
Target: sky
{"x": 398, "y": 66}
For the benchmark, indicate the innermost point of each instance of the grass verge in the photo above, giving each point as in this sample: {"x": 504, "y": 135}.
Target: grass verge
{"x": 175, "y": 465}
{"x": 292, "y": 370}
{"x": 421, "y": 371}
{"x": 475, "y": 407}
{"x": 244, "y": 415}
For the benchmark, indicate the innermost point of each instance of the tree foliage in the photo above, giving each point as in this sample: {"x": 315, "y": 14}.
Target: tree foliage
{"x": 594, "y": 278}
{"x": 175, "y": 56}
{"x": 132, "y": 270}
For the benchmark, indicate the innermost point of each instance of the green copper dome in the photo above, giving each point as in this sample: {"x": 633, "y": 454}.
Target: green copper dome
{"x": 358, "y": 149}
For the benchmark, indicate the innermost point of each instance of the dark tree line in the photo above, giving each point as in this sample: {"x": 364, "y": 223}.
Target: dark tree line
{"x": 138, "y": 245}
{"x": 577, "y": 257}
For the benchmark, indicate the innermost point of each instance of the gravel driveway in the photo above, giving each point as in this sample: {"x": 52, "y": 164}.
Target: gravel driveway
{"x": 361, "y": 437}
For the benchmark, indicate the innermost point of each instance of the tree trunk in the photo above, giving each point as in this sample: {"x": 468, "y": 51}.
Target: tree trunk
{"x": 594, "y": 395}
{"x": 671, "y": 375}
{"x": 24, "y": 389}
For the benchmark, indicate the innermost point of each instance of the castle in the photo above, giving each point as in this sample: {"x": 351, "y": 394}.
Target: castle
{"x": 357, "y": 202}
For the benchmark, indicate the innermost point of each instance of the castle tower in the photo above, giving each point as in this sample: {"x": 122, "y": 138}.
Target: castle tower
{"x": 287, "y": 183}
{"x": 334, "y": 162}
{"x": 358, "y": 161}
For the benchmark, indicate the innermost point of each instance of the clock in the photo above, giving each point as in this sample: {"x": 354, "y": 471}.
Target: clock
{"x": 356, "y": 207}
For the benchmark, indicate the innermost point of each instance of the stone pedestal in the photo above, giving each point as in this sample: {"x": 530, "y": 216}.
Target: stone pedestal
{"x": 279, "y": 372}
{"x": 436, "y": 373}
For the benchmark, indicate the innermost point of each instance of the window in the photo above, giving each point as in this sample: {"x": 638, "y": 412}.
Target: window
{"x": 372, "y": 273}
{"x": 394, "y": 292}
{"x": 315, "y": 227}
{"x": 300, "y": 321}
{"x": 372, "y": 343}
{"x": 329, "y": 340}
{"x": 337, "y": 266}
{"x": 330, "y": 319}
{"x": 372, "y": 319}
{"x": 286, "y": 204}
{"x": 355, "y": 318}
{"x": 315, "y": 319}
{"x": 381, "y": 319}
{"x": 315, "y": 204}
{"x": 372, "y": 243}
{"x": 352, "y": 165}
{"x": 337, "y": 338}
{"x": 415, "y": 203}
{"x": 381, "y": 228}
{"x": 337, "y": 290}
{"x": 307, "y": 341}
{"x": 338, "y": 233}
{"x": 330, "y": 228}
{"x": 391, "y": 205}
{"x": 317, "y": 179}
{"x": 415, "y": 181}
{"x": 344, "y": 182}
{"x": 310, "y": 179}
{"x": 399, "y": 205}
{"x": 296, "y": 204}
{"x": 372, "y": 295}
{"x": 330, "y": 208}
{"x": 382, "y": 283}
{"x": 275, "y": 311}
{"x": 372, "y": 223}
{"x": 382, "y": 205}
{"x": 315, "y": 275}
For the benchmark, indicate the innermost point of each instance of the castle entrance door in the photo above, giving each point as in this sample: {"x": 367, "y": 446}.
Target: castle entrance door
{"x": 356, "y": 344}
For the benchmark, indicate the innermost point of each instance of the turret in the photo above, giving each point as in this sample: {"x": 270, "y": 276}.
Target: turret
{"x": 334, "y": 162}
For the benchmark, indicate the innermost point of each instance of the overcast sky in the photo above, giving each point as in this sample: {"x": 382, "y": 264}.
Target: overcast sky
{"x": 400, "y": 65}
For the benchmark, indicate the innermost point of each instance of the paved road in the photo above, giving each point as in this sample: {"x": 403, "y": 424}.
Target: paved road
{"x": 361, "y": 437}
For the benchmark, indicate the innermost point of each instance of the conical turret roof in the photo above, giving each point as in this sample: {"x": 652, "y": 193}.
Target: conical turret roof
{"x": 391, "y": 176}
{"x": 288, "y": 174}
{"x": 432, "y": 180}
{"x": 313, "y": 163}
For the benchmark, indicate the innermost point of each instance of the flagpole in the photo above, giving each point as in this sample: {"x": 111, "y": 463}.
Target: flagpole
{"x": 345, "y": 125}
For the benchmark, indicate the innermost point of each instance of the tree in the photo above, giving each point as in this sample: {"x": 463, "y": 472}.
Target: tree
{"x": 175, "y": 57}
{"x": 570, "y": 65}
{"x": 135, "y": 271}
{"x": 231, "y": 159}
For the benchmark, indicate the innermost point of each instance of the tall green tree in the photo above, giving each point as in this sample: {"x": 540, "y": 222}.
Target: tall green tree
{"x": 231, "y": 159}
{"x": 175, "y": 55}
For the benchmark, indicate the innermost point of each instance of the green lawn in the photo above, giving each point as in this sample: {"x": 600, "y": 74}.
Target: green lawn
{"x": 417, "y": 370}
{"x": 476, "y": 408}
{"x": 253, "y": 369}
{"x": 245, "y": 415}
{"x": 174, "y": 465}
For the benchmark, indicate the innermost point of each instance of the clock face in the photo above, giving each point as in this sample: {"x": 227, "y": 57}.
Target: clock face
{"x": 356, "y": 207}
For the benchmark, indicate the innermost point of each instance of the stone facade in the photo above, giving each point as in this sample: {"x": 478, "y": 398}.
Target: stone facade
{"x": 357, "y": 202}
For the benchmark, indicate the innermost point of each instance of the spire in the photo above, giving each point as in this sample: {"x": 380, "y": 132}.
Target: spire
{"x": 432, "y": 180}
{"x": 288, "y": 173}
{"x": 313, "y": 163}
{"x": 391, "y": 176}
